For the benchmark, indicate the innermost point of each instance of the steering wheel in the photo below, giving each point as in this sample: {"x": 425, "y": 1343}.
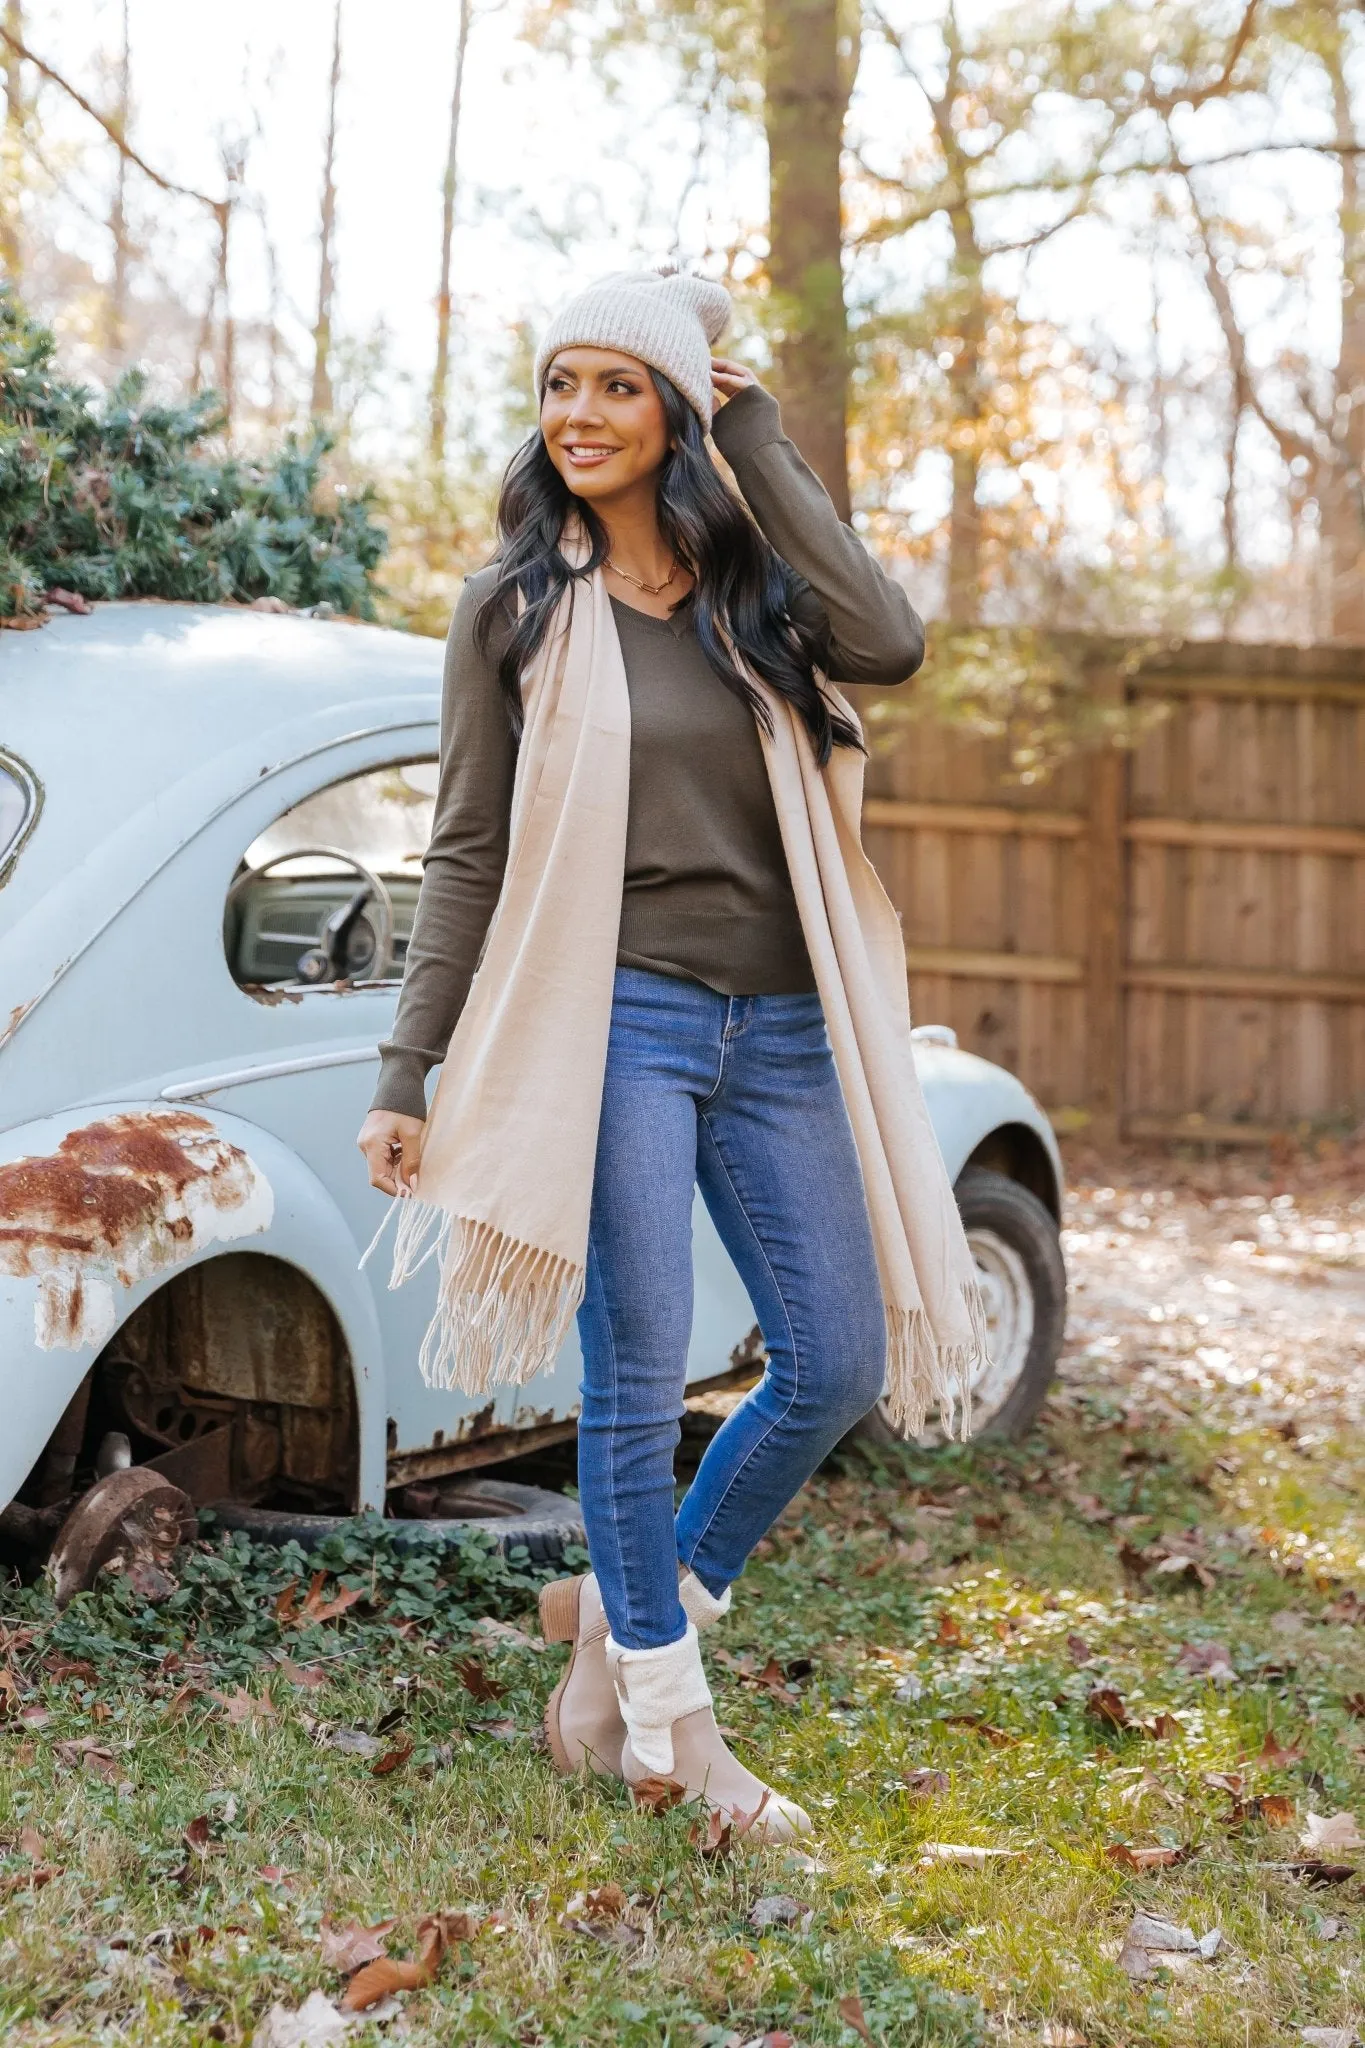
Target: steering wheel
{"x": 326, "y": 961}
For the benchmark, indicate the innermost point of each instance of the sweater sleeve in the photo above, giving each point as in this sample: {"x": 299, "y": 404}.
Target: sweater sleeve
{"x": 462, "y": 868}
{"x": 873, "y": 632}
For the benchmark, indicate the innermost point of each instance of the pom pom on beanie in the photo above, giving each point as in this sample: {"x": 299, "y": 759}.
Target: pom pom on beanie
{"x": 665, "y": 318}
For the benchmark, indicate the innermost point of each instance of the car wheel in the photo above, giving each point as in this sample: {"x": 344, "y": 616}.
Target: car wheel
{"x": 1018, "y": 1254}
{"x": 516, "y": 1516}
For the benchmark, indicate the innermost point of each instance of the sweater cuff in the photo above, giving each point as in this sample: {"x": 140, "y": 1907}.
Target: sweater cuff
{"x": 402, "y": 1081}
{"x": 747, "y": 422}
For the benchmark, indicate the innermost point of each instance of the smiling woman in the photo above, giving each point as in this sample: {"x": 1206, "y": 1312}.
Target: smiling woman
{"x": 646, "y": 838}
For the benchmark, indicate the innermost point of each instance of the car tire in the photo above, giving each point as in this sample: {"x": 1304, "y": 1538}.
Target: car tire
{"x": 1018, "y": 1252}
{"x": 516, "y": 1516}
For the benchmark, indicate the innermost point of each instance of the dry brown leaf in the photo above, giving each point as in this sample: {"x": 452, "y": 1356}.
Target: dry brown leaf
{"x": 1207, "y": 1660}
{"x": 379, "y": 1980}
{"x": 311, "y": 1675}
{"x": 1162, "y": 1728}
{"x": 779, "y": 1910}
{"x": 32, "y": 1845}
{"x": 1231, "y": 1782}
{"x": 241, "y": 1705}
{"x": 604, "y": 1902}
{"x": 1104, "y": 1704}
{"x": 852, "y": 2014}
{"x": 1314, "y": 1870}
{"x": 348, "y": 1948}
{"x": 393, "y": 1759}
{"x": 476, "y": 1680}
{"x": 1129, "y": 1858}
{"x": 656, "y": 1795}
{"x": 949, "y": 1631}
{"x": 962, "y": 1852}
{"x": 1331, "y": 1831}
{"x": 1276, "y": 1753}
{"x": 1079, "y": 1650}
{"x": 1148, "y": 1782}
{"x": 286, "y": 1603}
{"x": 316, "y": 1609}
{"x": 713, "y": 1836}
{"x": 62, "y": 1668}
{"x": 924, "y": 1783}
{"x": 1275, "y": 1809}
{"x": 1057, "y": 2035}
{"x": 997, "y": 1737}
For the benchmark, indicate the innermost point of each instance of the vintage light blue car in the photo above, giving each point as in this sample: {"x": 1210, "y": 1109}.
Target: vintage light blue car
{"x": 211, "y": 822}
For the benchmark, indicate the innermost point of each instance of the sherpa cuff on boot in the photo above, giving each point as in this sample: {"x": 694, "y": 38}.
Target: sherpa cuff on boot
{"x": 699, "y": 1605}
{"x": 656, "y": 1688}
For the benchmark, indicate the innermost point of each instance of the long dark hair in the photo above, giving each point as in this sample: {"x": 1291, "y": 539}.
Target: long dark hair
{"x": 742, "y": 589}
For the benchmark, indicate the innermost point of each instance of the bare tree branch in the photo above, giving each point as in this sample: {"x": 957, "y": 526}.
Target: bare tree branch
{"x": 111, "y": 129}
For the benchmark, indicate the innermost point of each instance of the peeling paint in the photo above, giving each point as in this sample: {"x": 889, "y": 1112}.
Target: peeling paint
{"x": 117, "y": 1202}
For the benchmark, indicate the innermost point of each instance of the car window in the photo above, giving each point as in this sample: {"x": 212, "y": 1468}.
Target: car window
{"x": 328, "y": 892}
{"x": 16, "y": 809}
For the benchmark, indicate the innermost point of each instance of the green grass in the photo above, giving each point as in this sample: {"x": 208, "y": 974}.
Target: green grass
{"x": 890, "y": 1577}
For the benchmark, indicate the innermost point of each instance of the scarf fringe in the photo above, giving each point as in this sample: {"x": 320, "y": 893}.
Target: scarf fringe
{"x": 924, "y": 1378}
{"x": 503, "y": 1307}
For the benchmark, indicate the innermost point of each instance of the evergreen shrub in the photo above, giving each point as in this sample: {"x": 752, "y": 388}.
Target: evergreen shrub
{"x": 114, "y": 495}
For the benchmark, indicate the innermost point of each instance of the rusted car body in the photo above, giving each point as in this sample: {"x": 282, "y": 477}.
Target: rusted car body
{"x": 210, "y": 828}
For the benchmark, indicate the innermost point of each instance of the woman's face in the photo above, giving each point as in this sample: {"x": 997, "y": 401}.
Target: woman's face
{"x": 602, "y": 421}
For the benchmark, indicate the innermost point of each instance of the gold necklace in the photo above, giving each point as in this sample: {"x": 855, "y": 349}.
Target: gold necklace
{"x": 650, "y": 589}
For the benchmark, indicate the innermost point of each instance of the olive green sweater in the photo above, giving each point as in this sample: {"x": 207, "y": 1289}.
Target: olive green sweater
{"x": 706, "y": 891}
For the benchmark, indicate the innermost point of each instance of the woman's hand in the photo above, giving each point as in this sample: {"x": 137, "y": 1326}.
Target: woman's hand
{"x": 729, "y": 377}
{"x": 392, "y": 1145}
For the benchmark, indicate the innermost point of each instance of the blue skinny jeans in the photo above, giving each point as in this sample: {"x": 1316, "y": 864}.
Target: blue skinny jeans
{"x": 737, "y": 1095}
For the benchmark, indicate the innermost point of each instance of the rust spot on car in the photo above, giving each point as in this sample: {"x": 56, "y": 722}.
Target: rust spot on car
{"x": 263, "y": 992}
{"x": 118, "y": 1201}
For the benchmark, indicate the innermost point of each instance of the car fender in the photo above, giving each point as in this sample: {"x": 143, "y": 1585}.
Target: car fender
{"x": 969, "y": 1098}
{"x": 101, "y": 1205}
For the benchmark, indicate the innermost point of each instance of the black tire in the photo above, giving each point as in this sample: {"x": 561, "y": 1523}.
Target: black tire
{"x": 516, "y": 1516}
{"x": 991, "y": 1203}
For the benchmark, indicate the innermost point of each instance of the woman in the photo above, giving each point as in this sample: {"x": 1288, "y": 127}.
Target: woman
{"x": 645, "y": 774}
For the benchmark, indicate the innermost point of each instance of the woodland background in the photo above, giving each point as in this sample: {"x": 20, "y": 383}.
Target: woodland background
{"x": 1066, "y": 302}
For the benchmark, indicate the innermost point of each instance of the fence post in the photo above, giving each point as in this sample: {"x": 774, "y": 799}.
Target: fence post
{"x": 1106, "y": 937}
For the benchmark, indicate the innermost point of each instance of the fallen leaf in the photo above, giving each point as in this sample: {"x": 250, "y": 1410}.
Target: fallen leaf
{"x": 960, "y": 1852}
{"x": 507, "y": 1633}
{"x": 501, "y": 1731}
{"x": 1090, "y": 1507}
{"x": 1231, "y": 1782}
{"x": 311, "y": 1675}
{"x": 350, "y": 1741}
{"x": 196, "y": 1835}
{"x": 62, "y": 1668}
{"x": 1147, "y": 1859}
{"x": 393, "y": 1759}
{"x": 67, "y": 600}
{"x": 1079, "y": 1650}
{"x": 604, "y": 1902}
{"x": 31, "y": 1844}
{"x": 1207, "y": 1660}
{"x": 852, "y": 2014}
{"x": 1332, "y": 1831}
{"x": 1179, "y": 1564}
{"x": 1148, "y": 1782}
{"x": 997, "y": 1737}
{"x": 1162, "y": 1728}
{"x": 476, "y": 1680}
{"x": 1354, "y": 1704}
{"x": 241, "y": 1705}
{"x": 347, "y": 1948}
{"x": 1055, "y": 2035}
{"x": 779, "y": 1910}
{"x": 949, "y": 1630}
{"x": 712, "y": 1837}
{"x": 286, "y": 1603}
{"x": 1275, "y": 1809}
{"x": 34, "y": 1716}
{"x": 924, "y": 1784}
{"x": 181, "y": 1700}
{"x": 656, "y": 1795}
{"x": 316, "y": 2024}
{"x": 315, "y": 1609}
{"x": 1276, "y": 1753}
{"x": 1150, "y": 1942}
{"x": 1313, "y": 1870}
{"x": 380, "y": 1980}
{"x": 84, "y": 1752}
{"x": 1329, "y": 2037}
{"x": 1104, "y": 1704}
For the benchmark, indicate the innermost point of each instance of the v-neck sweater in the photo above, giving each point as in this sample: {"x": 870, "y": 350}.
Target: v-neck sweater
{"x": 706, "y": 891}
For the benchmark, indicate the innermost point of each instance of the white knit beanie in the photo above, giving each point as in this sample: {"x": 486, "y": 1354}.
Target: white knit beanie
{"x": 667, "y": 319}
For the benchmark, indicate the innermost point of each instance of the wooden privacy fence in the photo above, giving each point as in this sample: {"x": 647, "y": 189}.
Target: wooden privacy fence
{"x": 1170, "y": 939}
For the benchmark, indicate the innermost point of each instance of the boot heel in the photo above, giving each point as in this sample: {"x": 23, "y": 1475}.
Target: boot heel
{"x": 559, "y": 1610}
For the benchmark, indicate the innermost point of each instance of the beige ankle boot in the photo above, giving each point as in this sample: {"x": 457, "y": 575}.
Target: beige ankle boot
{"x": 583, "y": 1722}
{"x": 671, "y": 1733}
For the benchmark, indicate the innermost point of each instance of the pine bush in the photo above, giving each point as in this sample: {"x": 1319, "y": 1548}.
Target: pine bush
{"x": 113, "y": 495}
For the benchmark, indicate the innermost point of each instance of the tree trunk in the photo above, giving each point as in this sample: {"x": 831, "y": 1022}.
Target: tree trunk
{"x": 321, "y": 403}
{"x": 118, "y": 212}
{"x": 967, "y": 385}
{"x": 805, "y": 100}
{"x": 440, "y": 381}
{"x": 1343, "y": 491}
{"x": 12, "y": 160}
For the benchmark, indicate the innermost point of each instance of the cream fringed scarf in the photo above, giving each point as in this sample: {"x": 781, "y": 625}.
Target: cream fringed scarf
{"x": 505, "y": 1182}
